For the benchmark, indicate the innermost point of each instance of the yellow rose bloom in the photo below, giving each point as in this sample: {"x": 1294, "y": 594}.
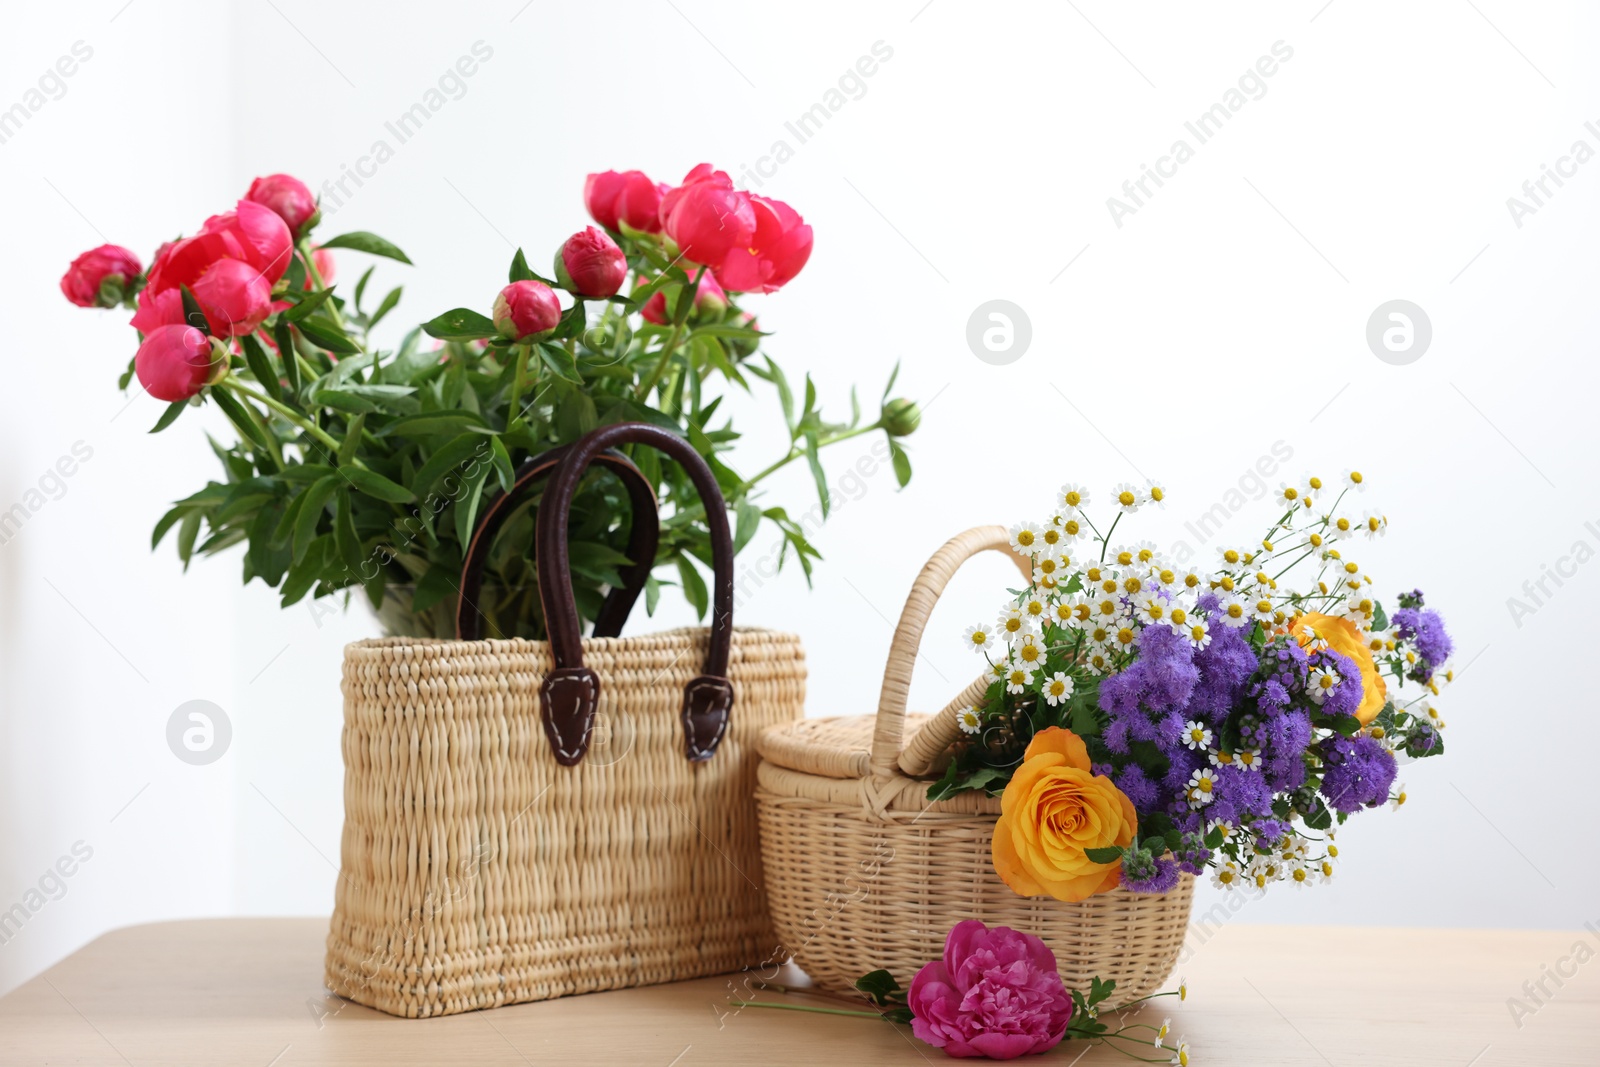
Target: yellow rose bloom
{"x": 1053, "y": 810}
{"x": 1343, "y": 637}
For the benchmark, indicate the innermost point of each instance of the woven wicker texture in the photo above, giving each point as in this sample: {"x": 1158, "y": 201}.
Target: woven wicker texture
{"x": 862, "y": 871}
{"x": 476, "y": 871}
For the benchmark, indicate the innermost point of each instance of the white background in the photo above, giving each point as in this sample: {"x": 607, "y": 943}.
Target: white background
{"x": 1226, "y": 315}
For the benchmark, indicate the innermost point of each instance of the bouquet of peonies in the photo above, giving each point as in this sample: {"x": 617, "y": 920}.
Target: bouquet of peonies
{"x": 360, "y": 465}
{"x": 1148, "y": 717}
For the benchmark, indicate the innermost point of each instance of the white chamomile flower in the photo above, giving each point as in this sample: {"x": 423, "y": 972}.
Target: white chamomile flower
{"x": 1202, "y": 787}
{"x": 1150, "y": 608}
{"x": 1100, "y": 633}
{"x": 1178, "y": 615}
{"x": 1287, "y": 496}
{"x": 1034, "y": 608}
{"x": 1180, "y": 1057}
{"x": 980, "y": 637}
{"x": 1107, "y": 607}
{"x": 1161, "y": 1034}
{"x": 1026, "y": 538}
{"x": 1301, "y": 874}
{"x": 1374, "y": 524}
{"x": 1248, "y": 758}
{"x": 1049, "y": 569}
{"x": 1227, "y": 876}
{"x": 1259, "y": 584}
{"x": 999, "y": 667}
{"x": 1183, "y": 991}
{"x": 1264, "y": 870}
{"x": 1354, "y": 480}
{"x": 1018, "y": 679}
{"x": 1071, "y": 526}
{"x": 1097, "y": 661}
{"x": 1057, "y": 688}
{"x": 1321, "y": 682}
{"x": 1147, "y": 555}
{"x": 1340, "y": 527}
{"x": 1127, "y": 496}
{"x": 1197, "y": 632}
{"x": 1072, "y": 611}
{"x": 1325, "y": 870}
{"x": 1312, "y": 485}
{"x": 1122, "y": 556}
{"x": 1156, "y": 493}
{"x": 1395, "y": 802}
{"x": 1263, "y": 610}
{"x": 1013, "y": 625}
{"x": 1051, "y": 539}
{"x": 969, "y": 720}
{"x": 1124, "y": 638}
{"x": 1072, "y": 497}
{"x": 1220, "y": 758}
{"x": 1196, "y": 735}
{"x": 1028, "y": 652}
{"x": 1230, "y": 558}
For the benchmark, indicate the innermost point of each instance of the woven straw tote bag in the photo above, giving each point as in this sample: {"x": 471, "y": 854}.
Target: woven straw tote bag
{"x": 863, "y": 871}
{"x": 531, "y": 819}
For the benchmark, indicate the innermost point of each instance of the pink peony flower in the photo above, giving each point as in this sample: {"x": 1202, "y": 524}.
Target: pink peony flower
{"x": 995, "y": 994}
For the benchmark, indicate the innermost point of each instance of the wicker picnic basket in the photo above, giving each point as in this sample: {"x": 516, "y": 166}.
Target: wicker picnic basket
{"x": 530, "y": 819}
{"x": 863, "y": 871}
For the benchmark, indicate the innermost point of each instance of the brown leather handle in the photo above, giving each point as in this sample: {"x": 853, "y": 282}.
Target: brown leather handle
{"x": 642, "y": 538}
{"x": 571, "y": 691}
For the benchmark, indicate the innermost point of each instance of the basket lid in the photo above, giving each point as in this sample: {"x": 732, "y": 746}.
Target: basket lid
{"x": 836, "y": 747}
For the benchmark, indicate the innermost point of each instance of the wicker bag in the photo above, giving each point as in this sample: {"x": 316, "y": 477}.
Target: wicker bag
{"x": 531, "y": 819}
{"x": 863, "y": 871}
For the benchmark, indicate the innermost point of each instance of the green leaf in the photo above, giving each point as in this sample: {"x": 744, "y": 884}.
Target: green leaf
{"x": 1380, "y": 618}
{"x": 1214, "y": 838}
{"x": 902, "y": 464}
{"x": 449, "y": 456}
{"x": 785, "y": 394}
{"x": 560, "y": 361}
{"x": 169, "y": 416}
{"x": 305, "y": 472}
{"x": 361, "y": 285}
{"x": 815, "y": 463}
{"x": 520, "y": 272}
{"x": 165, "y": 524}
{"x": 694, "y": 587}
{"x": 460, "y": 324}
{"x": 376, "y": 485}
{"x": 881, "y": 987}
{"x": 188, "y": 530}
{"x": 307, "y": 304}
{"x": 193, "y": 314}
{"x": 345, "y": 537}
{"x": 387, "y": 305}
{"x": 352, "y": 440}
{"x": 343, "y": 400}
{"x": 652, "y": 594}
{"x": 311, "y": 512}
{"x": 1100, "y": 989}
{"x": 325, "y": 334}
{"x": 434, "y": 586}
{"x": 749, "y": 518}
{"x": 240, "y": 418}
{"x": 502, "y": 464}
{"x": 434, "y": 423}
{"x": 260, "y": 365}
{"x": 467, "y": 505}
{"x": 291, "y": 366}
{"x": 371, "y": 243}
{"x": 890, "y": 384}
{"x": 1103, "y": 855}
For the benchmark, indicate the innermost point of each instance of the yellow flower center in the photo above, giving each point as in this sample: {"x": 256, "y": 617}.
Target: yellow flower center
{"x": 1178, "y": 616}
{"x": 1231, "y": 556}
{"x": 1074, "y": 498}
{"x": 1132, "y": 585}
{"x": 1290, "y": 492}
{"x": 1157, "y": 493}
{"x": 1125, "y": 558}
{"x": 1072, "y": 527}
{"x": 1126, "y": 499}
{"x": 1235, "y": 611}
{"x": 1125, "y": 636}
{"x": 1025, "y": 538}
{"x": 979, "y": 637}
{"x": 1013, "y": 625}
{"x": 1355, "y": 477}
{"x": 1197, "y": 632}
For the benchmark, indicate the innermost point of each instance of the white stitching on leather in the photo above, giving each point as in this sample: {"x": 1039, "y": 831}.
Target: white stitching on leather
{"x": 724, "y": 690}
{"x": 587, "y": 681}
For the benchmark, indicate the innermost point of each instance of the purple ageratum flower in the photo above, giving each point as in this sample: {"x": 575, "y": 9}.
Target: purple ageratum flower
{"x": 1226, "y": 665}
{"x": 1359, "y": 773}
{"x": 1344, "y": 698}
{"x": 1138, "y": 788}
{"x": 1160, "y": 680}
{"x": 1160, "y": 876}
{"x": 1425, "y": 632}
{"x": 996, "y": 994}
{"x": 1240, "y": 793}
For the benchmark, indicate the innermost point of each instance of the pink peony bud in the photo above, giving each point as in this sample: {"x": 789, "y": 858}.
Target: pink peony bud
{"x": 590, "y": 264}
{"x": 289, "y": 199}
{"x": 235, "y": 297}
{"x": 614, "y": 198}
{"x": 996, "y": 994}
{"x": 174, "y": 362}
{"x": 101, "y": 276}
{"x": 526, "y": 311}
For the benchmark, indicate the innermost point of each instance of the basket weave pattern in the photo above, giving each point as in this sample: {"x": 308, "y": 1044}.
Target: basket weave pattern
{"x": 476, "y": 871}
{"x": 864, "y": 872}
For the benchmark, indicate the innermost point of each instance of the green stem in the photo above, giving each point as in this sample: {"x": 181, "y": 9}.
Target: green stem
{"x": 316, "y": 279}
{"x": 512, "y": 411}
{"x": 645, "y": 387}
{"x": 796, "y": 453}
{"x": 804, "y": 1007}
{"x": 1105, "y": 542}
{"x": 287, "y": 412}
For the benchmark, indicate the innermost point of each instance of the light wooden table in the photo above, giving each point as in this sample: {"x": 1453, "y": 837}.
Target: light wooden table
{"x": 249, "y": 991}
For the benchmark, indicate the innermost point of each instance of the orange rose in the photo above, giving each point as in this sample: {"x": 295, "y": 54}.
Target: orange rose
{"x": 1343, "y": 637}
{"x": 1052, "y": 811}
